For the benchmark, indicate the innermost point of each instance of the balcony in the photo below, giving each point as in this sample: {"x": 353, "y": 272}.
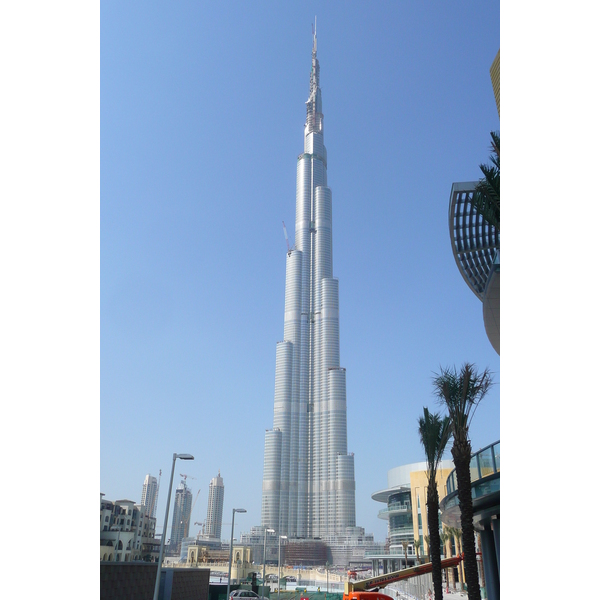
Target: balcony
{"x": 393, "y": 509}
{"x": 484, "y": 463}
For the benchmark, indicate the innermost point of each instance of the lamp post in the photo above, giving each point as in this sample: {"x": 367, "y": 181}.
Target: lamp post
{"x": 164, "y": 533}
{"x": 240, "y": 510}
{"x": 281, "y": 537}
{"x": 265, "y": 555}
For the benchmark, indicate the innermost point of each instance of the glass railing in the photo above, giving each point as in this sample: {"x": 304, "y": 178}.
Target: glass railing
{"x": 395, "y": 507}
{"x": 485, "y": 462}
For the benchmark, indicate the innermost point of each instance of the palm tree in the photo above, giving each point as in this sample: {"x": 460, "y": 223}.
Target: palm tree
{"x": 405, "y": 544}
{"x": 486, "y": 197}
{"x": 426, "y": 539}
{"x": 417, "y": 544}
{"x": 461, "y": 393}
{"x": 444, "y": 538}
{"x": 458, "y": 536}
{"x": 434, "y": 432}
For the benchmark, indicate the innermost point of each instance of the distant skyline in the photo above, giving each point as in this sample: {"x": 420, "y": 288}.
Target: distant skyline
{"x": 201, "y": 120}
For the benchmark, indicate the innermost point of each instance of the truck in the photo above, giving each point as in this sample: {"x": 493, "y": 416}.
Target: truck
{"x": 368, "y": 589}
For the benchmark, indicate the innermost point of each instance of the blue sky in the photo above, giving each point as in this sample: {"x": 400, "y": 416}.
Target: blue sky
{"x": 73, "y": 424}
{"x": 202, "y": 113}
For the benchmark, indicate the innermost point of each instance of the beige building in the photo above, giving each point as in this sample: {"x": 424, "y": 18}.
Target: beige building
{"x": 406, "y": 513}
{"x": 126, "y": 532}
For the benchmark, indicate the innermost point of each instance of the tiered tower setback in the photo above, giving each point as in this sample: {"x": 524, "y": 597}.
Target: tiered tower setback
{"x": 308, "y": 480}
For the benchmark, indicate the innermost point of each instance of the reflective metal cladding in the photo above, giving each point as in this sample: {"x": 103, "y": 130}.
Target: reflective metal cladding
{"x": 308, "y": 481}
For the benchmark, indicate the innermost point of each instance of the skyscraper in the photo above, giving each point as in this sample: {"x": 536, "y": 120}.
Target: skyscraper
{"x": 308, "y": 480}
{"x": 214, "y": 512}
{"x": 181, "y": 515}
{"x": 150, "y": 495}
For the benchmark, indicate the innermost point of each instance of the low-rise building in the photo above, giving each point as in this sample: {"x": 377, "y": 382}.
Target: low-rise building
{"x": 127, "y": 533}
{"x": 406, "y": 513}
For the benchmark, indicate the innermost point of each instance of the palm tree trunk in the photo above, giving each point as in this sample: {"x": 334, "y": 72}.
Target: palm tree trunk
{"x": 434, "y": 539}
{"x": 461, "y": 453}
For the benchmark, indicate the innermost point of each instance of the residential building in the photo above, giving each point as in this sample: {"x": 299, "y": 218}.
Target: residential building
{"x": 126, "y": 532}
{"x": 308, "y": 480}
{"x": 150, "y": 495}
{"x": 214, "y": 512}
{"x": 182, "y": 511}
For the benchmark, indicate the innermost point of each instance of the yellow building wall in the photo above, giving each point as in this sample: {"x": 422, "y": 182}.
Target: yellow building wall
{"x": 418, "y": 489}
{"x": 495, "y": 77}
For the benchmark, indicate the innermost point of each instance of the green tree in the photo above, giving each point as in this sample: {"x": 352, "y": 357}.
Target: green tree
{"x": 486, "y": 197}
{"x": 461, "y": 392}
{"x": 434, "y": 432}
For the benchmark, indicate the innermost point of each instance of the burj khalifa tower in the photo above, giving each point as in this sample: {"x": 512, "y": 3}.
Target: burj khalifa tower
{"x": 308, "y": 481}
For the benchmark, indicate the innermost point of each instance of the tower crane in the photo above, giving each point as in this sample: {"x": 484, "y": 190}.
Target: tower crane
{"x": 185, "y": 477}
{"x": 203, "y": 524}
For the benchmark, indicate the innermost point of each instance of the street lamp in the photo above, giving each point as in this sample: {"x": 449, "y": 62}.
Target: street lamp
{"x": 240, "y": 510}
{"x": 164, "y": 533}
{"x": 265, "y": 555}
{"x": 281, "y": 537}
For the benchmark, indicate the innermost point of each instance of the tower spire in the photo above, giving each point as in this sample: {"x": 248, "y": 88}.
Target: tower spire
{"x": 314, "y": 116}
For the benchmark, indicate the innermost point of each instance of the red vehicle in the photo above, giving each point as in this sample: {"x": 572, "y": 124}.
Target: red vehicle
{"x": 368, "y": 589}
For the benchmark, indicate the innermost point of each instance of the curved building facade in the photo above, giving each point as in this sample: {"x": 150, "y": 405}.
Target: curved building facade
{"x": 485, "y": 491}
{"x": 308, "y": 481}
{"x": 406, "y": 509}
{"x": 476, "y": 250}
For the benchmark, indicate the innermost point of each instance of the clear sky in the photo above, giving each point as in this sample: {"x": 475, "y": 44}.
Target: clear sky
{"x": 202, "y": 113}
{"x": 125, "y": 154}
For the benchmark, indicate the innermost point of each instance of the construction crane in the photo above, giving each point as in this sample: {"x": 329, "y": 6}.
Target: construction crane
{"x": 203, "y": 524}
{"x": 287, "y": 241}
{"x": 185, "y": 477}
{"x": 191, "y": 511}
{"x": 155, "y": 500}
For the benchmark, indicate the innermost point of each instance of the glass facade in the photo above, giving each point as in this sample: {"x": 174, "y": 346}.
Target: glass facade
{"x": 484, "y": 463}
{"x": 308, "y": 481}
{"x": 400, "y": 519}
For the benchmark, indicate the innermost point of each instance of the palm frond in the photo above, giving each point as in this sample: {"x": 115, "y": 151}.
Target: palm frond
{"x": 486, "y": 197}
{"x": 461, "y": 392}
{"x": 434, "y": 432}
